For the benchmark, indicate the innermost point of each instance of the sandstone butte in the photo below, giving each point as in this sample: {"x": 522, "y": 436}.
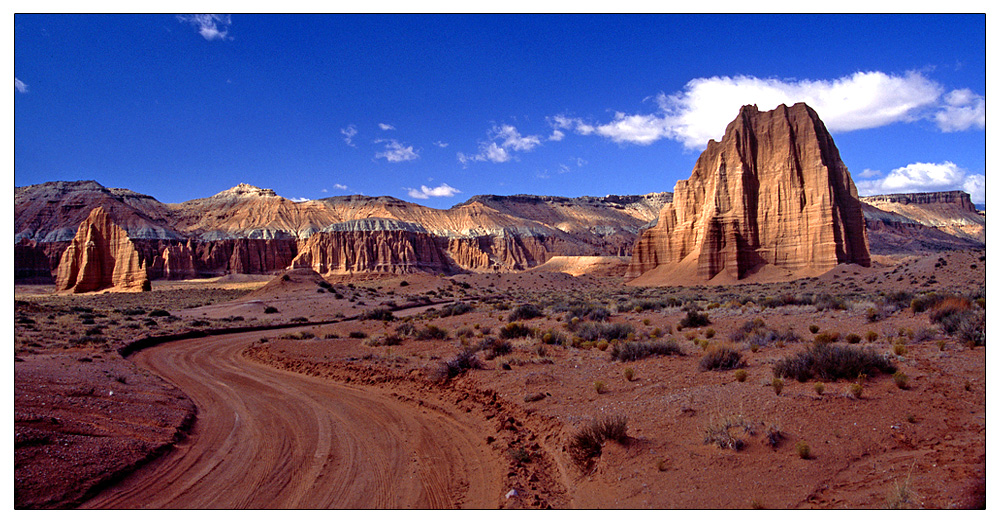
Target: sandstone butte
{"x": 101, "y": 256}
{"x": 772, "y": 200}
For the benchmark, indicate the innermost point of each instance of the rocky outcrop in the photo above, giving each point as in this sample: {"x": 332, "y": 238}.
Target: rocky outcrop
{"x": 178, "y": 263}
{"x": 101, "y": 256}
{"x": 774, "y": 192}
{"x": 893, "y": 233}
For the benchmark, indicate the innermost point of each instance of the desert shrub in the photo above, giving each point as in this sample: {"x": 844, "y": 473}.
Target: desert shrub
{"x": 514, "y": 330}
{"x": 871, "y": 336}
{"x": 640, "y": 305}
{"x": 455, "y": 309}
{"x": 586, "y": 444}
{"x": 855, "y": 390}
{"x": 379, "y": 314}
{"x": 637, "y": 350}
{"x": 404, "y": 283}
{"x": 721, "y": 433}
{"x": 358, "y": 335}
{"x": 463, "y": 361}
{"x": 270, "y": 310}
{"x": 819, "y": 388}
{"x": 923, "y": 302}
{"x": 593, "y": 331}
{"x": 853, "y": 338}
{"x": 492, "y": 347}
{"x": 831, "y": 363}
{"x": 385, "y": 340}
{"x": 755, "y": 333}
{"x": 629, "y": 374}
{"x": 824, "y": 302}
{"x": 710, "y": 333}
{"x": 525, "y": 311}
{"x": 431, "y": 332}
{"x": 94, "y": 331}
{"x": 584, "y": 312}
{"x": 551, "y": 337}
{"x": 299, "y": 319}
{"x": 600, "y": 387}
{"x": 406, "y": 329}
{"x": 740, "y": 375}
{"x": 778, "y": 385}
{"x": 694, "y": 319}
{"x": 773, "y": 436}
{"x": 971, "y": 328}
{"x": 814, "y": 329}
{"x": 803, "y": 450}
{"x": 901, "y": 380}
{"x": 158, "y": 313}
{"x": 721, "y": 358}
{"x": 301, "y": 335}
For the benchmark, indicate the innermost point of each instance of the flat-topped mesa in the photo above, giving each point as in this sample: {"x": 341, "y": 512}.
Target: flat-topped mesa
{"x": 957, "y": 199}
{"x": 773, "y": 192}
{"x": 245, "y": 190}
{"x": 101, "y": 256}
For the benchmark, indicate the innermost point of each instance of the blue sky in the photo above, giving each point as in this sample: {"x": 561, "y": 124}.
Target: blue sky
{"x": 436, "y": 109}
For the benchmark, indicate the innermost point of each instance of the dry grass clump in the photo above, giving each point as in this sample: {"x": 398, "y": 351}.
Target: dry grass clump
{"x": 724, "y": 433}
{"x": 462, "y": 362}
{"x": 586, "y": 312}
{"x": 694, "y": 319}
{"x": 637, "y": 350}
{"x": 514, "y": 330}
{"x": 803, "y": 450}
{"x": 901, "y": 380}
{"x": 586, "y": 444}
{"x": 384, "y": 340}
{"x": 755, "y": 333}
{"x": 721, "y": 358}
{"x": 380, "y": 314}
{"x": 831, "y": 363}
{"x": 455, "y": 309}
{"x": 492, "y": 347}
{"x": 431, "y": 332}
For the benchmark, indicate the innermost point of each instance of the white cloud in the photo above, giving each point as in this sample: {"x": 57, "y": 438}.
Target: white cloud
{"x": 926, "y": 177}
{"x": 963, "y": 109}
{"x": 20, "y": 86}
{"x": 340, "y": 187}
{"x": 299, "y": 200}
{"x": 443, "y": 190}
{"x": 441, "y": 144}
{"x": 509, "y": 139}
{"x": 513, "y": 139}
{"x": 210, "y": 27}
{"x": 864, "y": 100}
{"x": 556, "y": 135}
{"x": 563, "y": 168}
{"x": 386, "y": 127}
{"x": 395, "y": 152}
{"x": 349, "y": 133}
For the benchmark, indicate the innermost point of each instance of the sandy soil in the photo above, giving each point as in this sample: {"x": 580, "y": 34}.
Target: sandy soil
{"x": 507, "y": 427}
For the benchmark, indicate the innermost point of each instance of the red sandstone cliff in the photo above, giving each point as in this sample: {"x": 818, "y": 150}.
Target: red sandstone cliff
{"x": 101, "y": 256}
{"x": 774, "y": 192}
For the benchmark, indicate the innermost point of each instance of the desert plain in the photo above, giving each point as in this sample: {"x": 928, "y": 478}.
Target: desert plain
{"x": 478, "y": 391}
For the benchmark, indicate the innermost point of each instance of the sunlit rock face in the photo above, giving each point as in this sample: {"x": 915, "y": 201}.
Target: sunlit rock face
{"x": 101, "y": 256}
{"x": 773, "y": 192}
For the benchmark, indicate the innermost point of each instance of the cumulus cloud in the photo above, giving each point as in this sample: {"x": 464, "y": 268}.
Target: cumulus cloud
{"x": 210, "y": 27}
{"x": 20, "y": 86}
{"x": 349, "y": 133}
{"x": 926, "y": 177}
{"x": 425, "y": 192}
{"x": 386, "y": 127}
{"x": 556, "y": 135}
{"x": 340, "y": 187}
{"x": 864, "y": 100}
{"x": 441, "y": 144}
{"x": 963, "y": 109}
{"x": 299, "y": 200}
{"x": 502, "y": 139}
{"x": 395, "y": 152}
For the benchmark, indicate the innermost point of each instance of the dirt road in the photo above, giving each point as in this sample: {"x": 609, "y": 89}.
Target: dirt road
{"x": 272, "y": 439}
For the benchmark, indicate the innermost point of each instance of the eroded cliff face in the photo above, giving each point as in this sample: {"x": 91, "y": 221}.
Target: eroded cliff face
{"x": 389, "y": 251}
{"x": 773, "y": 192}
{"x": 101, "y": 256}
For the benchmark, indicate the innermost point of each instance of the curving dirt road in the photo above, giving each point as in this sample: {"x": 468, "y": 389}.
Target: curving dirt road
{"x": 272, "y": 439}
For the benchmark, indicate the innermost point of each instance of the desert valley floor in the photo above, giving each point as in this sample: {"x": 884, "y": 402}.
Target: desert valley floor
{"x": 424, "y": 391}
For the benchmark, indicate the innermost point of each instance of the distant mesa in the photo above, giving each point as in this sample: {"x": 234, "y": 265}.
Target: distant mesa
{"x": 772, "y": 199}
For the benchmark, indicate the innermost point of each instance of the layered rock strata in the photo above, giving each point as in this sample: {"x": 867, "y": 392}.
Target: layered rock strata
{"x": 773, "y": 192}
{"x": 101, "y": 256}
